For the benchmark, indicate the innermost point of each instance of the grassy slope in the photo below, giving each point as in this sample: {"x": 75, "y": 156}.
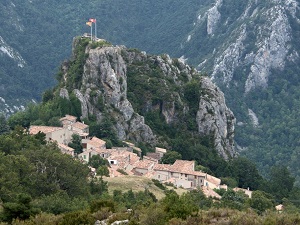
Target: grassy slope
{"x": 136, "y": 184}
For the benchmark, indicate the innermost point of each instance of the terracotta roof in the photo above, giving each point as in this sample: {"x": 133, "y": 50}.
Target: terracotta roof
{"x": 213, "y": 179}
{"x": 210, "y": 193}
{"x": 163, "y": 167}
{"x": 144, "y": 164}
{"x": 123, "y": 157}
{"x": 69, "y": 117}
{"x": 183, "y": 166}
{"x": 65, "y": 147}
{"x": 96, "y": 142}
{"x": 180, "y": 166}
{"x": 44, "y": 129}
{"x": 80, "y": 125}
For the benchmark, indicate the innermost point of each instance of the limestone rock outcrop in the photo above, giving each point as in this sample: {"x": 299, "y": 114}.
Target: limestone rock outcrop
{"x": 103, "y": 91}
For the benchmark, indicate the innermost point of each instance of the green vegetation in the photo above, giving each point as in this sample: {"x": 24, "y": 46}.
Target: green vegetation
{"x": 275, "y": 140}
{"x": 36, "y": 177}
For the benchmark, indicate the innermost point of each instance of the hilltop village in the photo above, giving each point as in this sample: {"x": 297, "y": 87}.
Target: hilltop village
{"x": 129, "y": 159}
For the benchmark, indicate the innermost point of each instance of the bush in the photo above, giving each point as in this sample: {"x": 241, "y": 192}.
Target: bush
{"x": 77, "y": 218}
{"x": 158, "y": 184}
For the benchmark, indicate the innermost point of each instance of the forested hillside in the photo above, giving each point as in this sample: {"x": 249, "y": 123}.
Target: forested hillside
{"x": 39, "y": 184}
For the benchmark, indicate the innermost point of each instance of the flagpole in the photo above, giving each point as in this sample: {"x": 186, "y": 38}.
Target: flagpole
{"x": 92, "y": 32}
{"x": 95, "y": 29}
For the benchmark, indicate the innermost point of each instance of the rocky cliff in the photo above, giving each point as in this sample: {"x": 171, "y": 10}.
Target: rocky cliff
{"x": 245, "y": 43}
{"x": 127, "y": 85}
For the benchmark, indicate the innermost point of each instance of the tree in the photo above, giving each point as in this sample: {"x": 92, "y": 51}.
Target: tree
{"x": 55, "y": 171}
{"x": 281, "y": 182}
{"x": 246, "y": 173}
{"x": 260, "y": 201}
{"x": 21, "y": 209}
{"x": 96, "y": 161}
{"x": 179, "y": 206}
{"x": 170, "y": 157}
{"x": 3, "y": 124}
{"x": 76, "y": 143}
{"x": 234, "y": 200}
{"x": 103, "y": 171}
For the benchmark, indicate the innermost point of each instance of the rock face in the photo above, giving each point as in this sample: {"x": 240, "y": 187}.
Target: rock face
{"x": 213, "y": 17}
{"x": 214, "y": 116}
{"x": 105, "y": 75}
{"x": 104, "y": 90}
{"x": 254, "y": 37}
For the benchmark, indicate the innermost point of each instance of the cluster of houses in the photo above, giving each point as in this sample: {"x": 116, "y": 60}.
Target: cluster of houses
{"x": 127, "y": 160}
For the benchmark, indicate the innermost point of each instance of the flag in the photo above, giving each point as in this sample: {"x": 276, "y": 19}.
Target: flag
{"x": 92, "y": 20}
{"x": 89, "y": 23}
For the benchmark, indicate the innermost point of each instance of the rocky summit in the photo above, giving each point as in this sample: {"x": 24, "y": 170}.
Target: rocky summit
{"x": 128, "y": 86}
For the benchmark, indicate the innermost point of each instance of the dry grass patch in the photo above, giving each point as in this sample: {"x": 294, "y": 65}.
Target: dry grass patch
{"x": 135, "y": 183}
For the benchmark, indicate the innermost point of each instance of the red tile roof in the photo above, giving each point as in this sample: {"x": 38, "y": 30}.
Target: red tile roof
{"x": 183, "y": 166}
{"x": 96, "y": 142}
{"x": 163, "y": 167}
{"x": 44, "y": 129}
{"x": 65, "y": 147}
{"x": 144, "y": 164}
{"x": 80, "y": 125}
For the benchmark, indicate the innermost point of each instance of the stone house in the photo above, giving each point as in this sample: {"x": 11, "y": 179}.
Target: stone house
{"x": 93, "y": 146}
{"x": 160, "y": 151}
{"x": 58, "y": 134}
{"x": 94, "y": 143}
{"x": 63, "y": 135}
{"x": 144, "y": 166}
{"x": 182, "y": 174}
{"x": 80, "y": 128}
{"x": 122, "y": 159}
{"x": 87, "y": 154}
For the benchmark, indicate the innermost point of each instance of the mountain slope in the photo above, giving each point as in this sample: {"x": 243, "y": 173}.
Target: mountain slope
{"x": 252, "y": 51}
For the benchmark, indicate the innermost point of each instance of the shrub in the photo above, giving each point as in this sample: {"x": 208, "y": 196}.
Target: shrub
{"x": 158, "y": 184}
